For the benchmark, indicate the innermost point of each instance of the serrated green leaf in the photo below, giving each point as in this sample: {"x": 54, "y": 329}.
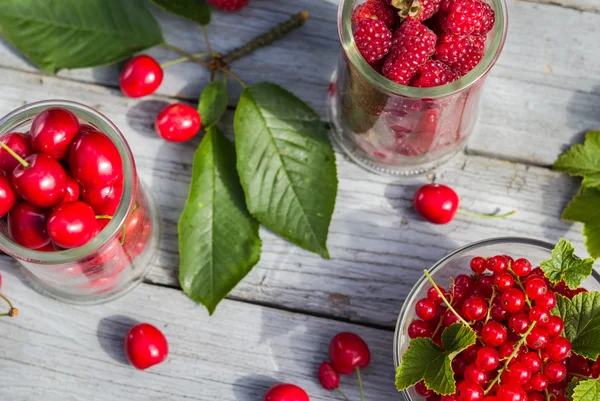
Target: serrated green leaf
{"x": 424, "y": 360}
{"x": 218, "y": 238}
{"x": 581, "y": 316}
{"x": 564, "y": 265}
{"x": 587, "y": 390}
{"x": 213, "y": 103}
{"x": 57, "y": 34}
{"x": 286, "y": 165}
{"x": 570, "y": 387}
{"x": 583, "y": 160}
{"x": 584, "y": 209}
{"x": 194, "y": 10}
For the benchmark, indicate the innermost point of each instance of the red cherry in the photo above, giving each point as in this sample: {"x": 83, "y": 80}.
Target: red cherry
{"x": 474, "y": 308}
{"x": 419, "y": 328}
{"x": 536, "y": 288}
{"x": 141, "y": 76}
{"x": 73, "y": 190}
{"x": 469, "y": 391}
{"x": 52, "y": 131}
{"x": 554, "y": 326}
{"x": 285, "y": 392}
{"x": 558, "y": 349}
{"x": 8, "y": 197}
{"x": 426, "y": 309}
{"x": 494, "y": 334}
{"x": 513, "y": 300}
{"x": 436, "y": 203}
{"x": 533, "y": 362}
{"x": 94, "y": 160}
{"x": 555, "y": 372}
{"x": 177, "y": 122}
{"x": 537, "y": 339}
{"x": 477, "y": 264}
{"x": 27, "y": 226}
{"x": 348, "y": 351}
{"x": 42, "y": 183}
{"x": 328, "y": 377}
{"x": 487, "y": 359}
{"x": 105, "y": 201}
{"x": 72, "y": 224}
{"x": 521, "y": 267}
{"x": 511, "y": 392}
{"x": 145, "y": 346}
{"x": 18, "y": 143}
{"x": 504, "y": 281}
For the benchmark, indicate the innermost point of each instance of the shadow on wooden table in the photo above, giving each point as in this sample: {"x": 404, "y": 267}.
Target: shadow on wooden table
{"x": 252, "y": 388}
{"x": 111, "y": 332}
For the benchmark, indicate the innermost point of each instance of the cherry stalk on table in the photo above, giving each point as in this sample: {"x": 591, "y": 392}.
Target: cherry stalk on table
{"x": 12, "y": 311}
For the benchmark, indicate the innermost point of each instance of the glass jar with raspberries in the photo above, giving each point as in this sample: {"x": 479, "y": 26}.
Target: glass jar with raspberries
{"x": 72, "y": 209}
{"x": 405, "y": 95}
{"x": 506, "y": 319}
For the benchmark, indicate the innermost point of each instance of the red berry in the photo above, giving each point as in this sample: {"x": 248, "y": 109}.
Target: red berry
{"x": 8, "y": 197}
{"x": 285, "y": 392}
{"x": 555, "y": 326}
{"x": 477, "y": 264}
{"x": 464, "y": 281}
{"x": 474, "y": 308}
{"x": 558, "y": 349}
{"x": 580, "y": 365}
{"x": 513, "y": 300}
{"x": 547, "y": 300}
{"x": 52, "y": 132}
{"x": 434, "y": 73}
{"x": 459, "y": 365}
{"x": 426, "y": 309}
{"x": 498, "y": 313}
{"x": 486, "y": 284}
{"x": 469, "y": 391}
{"x": 539, "y": 314}
{"x": 474, "y": 374}
{"x": 348, "y": 351}
{"x": 436, "y": 203}
{"x": 434, "y": 296}
{"x": 73, "y": 190}
{"x": 141, "y": 76}
{"x": 375, "y": 9}
{"x": 519, "y": 323}
{"x": 521, "y": 267}
{"x": 145, "y": 346}
{"x": 467, "y": 17}
{"x": 494, "y": 334}
{"x": 518, "y": 373}
{"x": 229, "y": 5}
{"x": 506, "y": 349}
{"x": 94, "y": 160}
{"x": 460, "y": 52}
{"x": 452, "y": 397}
{"x": 539, "y": 382}
{"x": 504, "y": 281}
{"x": 27, "y": 226}
{"x": 449, "y": 318}
{"x": 533, "y": 362}
{"x": 497, "y": 264}
{"x": 511, "y": 392}
{"x": 42, "y": 183}
{"x": 19, "y": 144}
{"x": 470, "y": 354}
{"x": 422, "y": 389}
{"x": 535, "y": 288}
{"x": 487, "y": 359}
{"x": 329, "y": 378}
{"x": 490, "y": 398}
{"x": 177, "y": 122}
{"x": 373, "y": 39}
{"x": 555, "y": 371}
{"x": 72, "y": 224}
{"x": 535, "y": 396}
{"x": 418, "y": 329}
{"x": 104, "y": 201}
{"x": 537, "y": 339}
{"x": 459, "y": 295}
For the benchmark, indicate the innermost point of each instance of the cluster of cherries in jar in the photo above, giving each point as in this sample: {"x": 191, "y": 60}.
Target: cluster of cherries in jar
{"x": 60, "y": 183}
{"x": 507, "y": 303}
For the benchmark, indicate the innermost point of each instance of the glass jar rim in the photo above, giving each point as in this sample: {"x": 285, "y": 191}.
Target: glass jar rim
{"x": 106, "y": 126}
{"x": 387, "y": 86}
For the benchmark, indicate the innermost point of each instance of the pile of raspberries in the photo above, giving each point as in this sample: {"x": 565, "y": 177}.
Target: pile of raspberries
{"x": 422, "y": 43}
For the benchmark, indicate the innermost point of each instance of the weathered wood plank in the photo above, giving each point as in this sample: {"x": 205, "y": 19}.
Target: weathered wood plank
{"x": 56, "y": 352}
{"x": 377, "y": 244}
{"x": 583, "y": 5}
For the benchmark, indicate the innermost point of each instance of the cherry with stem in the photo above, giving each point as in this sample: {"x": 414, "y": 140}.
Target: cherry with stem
{"x": 12, "y": 312}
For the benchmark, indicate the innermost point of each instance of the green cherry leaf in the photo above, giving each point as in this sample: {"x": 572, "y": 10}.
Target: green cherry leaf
{"x": 583, "y": 160}
{"x": 587, "y": 390}
{"x": 564, "y": 265}
{"x": 584, "y": 209}
{"x": 218, "y": 238}
{"x": 213, "y": 103}
{"x": 581, "y": 316}
{"x": 78, "y": 33}
{"x": 194, "y": 10}
{"x": 424, "y": 360}
{"x": 286, "y": 165}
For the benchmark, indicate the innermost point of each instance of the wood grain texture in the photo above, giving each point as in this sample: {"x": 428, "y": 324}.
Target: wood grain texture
{"x": 583, "y": 5}
{"x": 58, "y": 352}
{"x": 378, "y": 245}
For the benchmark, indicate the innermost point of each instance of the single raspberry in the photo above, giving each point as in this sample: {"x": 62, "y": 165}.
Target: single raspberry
{"x": 434, "y": 73}
{"x": 228, "y": 5}
{"x": 375, "y": 9}
{"x": 329, "y": 378}
{"x": 373, "y": 39}
{"x": 412, "y": 45}
{"x": 461, "y": 53}
{"x": 419, "y": 10}
{"x": 467, "y": 17}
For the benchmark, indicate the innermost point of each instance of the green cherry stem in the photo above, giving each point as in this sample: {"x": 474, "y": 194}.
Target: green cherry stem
{"x": 486, "y": 216}
{"x": 14, "y": 154}
{"x": 13, "y": 312}
{"x": 360, "y": 385}
{"x": 444, "y": 298}
{"x": 510, "y": 357}
{"x": 183, "y": 59}
{"x": 340, "y": 392}
{"x": 103, "y": 217}
{"x": 205, "y": 34}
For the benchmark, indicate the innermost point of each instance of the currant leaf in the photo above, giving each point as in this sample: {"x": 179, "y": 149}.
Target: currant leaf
{"x": 583, "y": 160}
{"x": 564, "y": 265}
{"x": 587, "y": 390}
{"x": 584, "y": 208}
{"x": 571, "y": 387}
{"x": 581, "y": 316}
{"x": 424, "y": 360}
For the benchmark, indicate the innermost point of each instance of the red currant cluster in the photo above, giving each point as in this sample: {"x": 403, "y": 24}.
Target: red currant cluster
{"x": 519, "y": 354}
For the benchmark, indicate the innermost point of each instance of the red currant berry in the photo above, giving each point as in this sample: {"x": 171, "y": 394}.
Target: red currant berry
{"x": 464, "y": 281}
{"x": 504, "y": 281}
{"x": 539, "y": 314}
{"x": 52, "y": 132}
{"x": 72, "y": 224}
{"x": 470, "y": 354}
{"x": 94, "y": 160}
{"x": 435, "y": 296}
{"x": 449, "y": 318}
{"x": 328, "y": 377}
{"x": 521, "y": 267}
{"x": 547, "y": 300}
{"x": 494, "y": 334}
{"x": 497, "y": 264}
{"x": 177, "y": 122}
{"x": 487, "y": 359}
{"x": 348, "y": 351}
{"x": 436, "y": 203}
{"x": 285, "y": 392}
{"x": 478, "y": 264}
{"x": 518, "y": 373}
{"x": 27, "y": 226}
{"x": 459, "y": 295}
{"x": 539, "y": 382}
{"x": 535, "y": 288}
{"x": 486, "y": 285}
{"x": 513, "y": 300}
{"x": 145, "y": 346}
{"x": 459, "y": 365}
{"x": 426, "y": 309}
{"x": 498, "y": 313}
{"x": 555, "y": 371}
{"x": 537, "y": 339}
{"x": 506, "y": 349}
{"x": 469, "y": 391}
{"x": 43, "y": 182}
{"x": 535, "y": 396}
{"x": 73, "y": 191}
{"x": 511, "y": 392}
{"x": 452, "y": 397}
{"x": 8, "y": 197}
{"x": 580, "y": 365}
{"x": 422, "y": 389}
{"x": 558, "y": 349}
{"x": 519, "y": 323}
{"x": 475, "y": 308}
{"x": 141, "y": 76}
{"x": 533, "y": 362}
{"x": 18, "y": 143}
{"x": 474, "y": 374}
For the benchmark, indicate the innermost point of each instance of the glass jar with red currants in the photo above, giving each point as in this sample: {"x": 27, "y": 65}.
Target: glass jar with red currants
{"x": 73, "y": 211}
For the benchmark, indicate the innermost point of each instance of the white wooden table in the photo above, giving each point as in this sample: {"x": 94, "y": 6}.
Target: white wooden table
{"x": 541, "y": 96}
